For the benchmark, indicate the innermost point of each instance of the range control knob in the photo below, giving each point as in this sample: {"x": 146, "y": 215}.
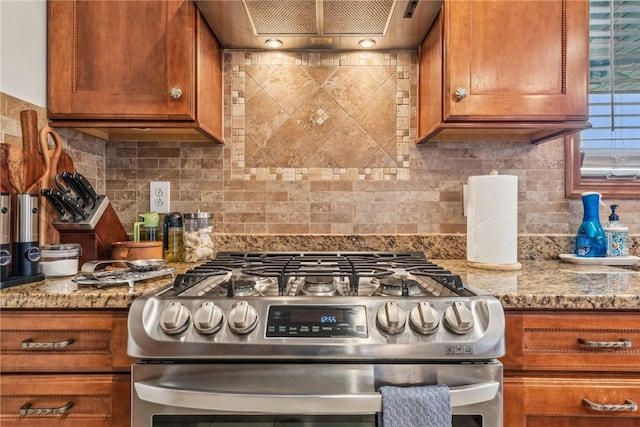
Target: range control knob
{"x": 424, "y": 318}
{"x": 243, "y": 318}
{"x": 174, "y": 318}
{"x": 458, "y": 318}
{"x": 391, "y": 318}
{"x": 208, "y": 319}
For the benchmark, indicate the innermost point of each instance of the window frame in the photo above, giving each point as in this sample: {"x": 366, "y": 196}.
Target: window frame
{"x": 576, "y": 184}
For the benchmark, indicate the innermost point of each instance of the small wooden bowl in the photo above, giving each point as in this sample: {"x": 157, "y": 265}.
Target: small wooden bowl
{"x": 132, "y": 251}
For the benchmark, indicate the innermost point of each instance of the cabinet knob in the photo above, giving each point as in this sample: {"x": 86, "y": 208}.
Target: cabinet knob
{"x": 461, "y": 93}
{"x": 175, "y": 92}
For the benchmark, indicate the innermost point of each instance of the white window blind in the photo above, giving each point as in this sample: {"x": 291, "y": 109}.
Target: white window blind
{"x": 611, "y": 148}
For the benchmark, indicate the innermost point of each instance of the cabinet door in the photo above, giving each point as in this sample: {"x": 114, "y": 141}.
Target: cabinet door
{"x": 120, "y": 59}
{"x": 559, "y": 402}
{"x": 596, "y": 341}
{"x": 516, "y": 59}
{"x": 48, "y": 341}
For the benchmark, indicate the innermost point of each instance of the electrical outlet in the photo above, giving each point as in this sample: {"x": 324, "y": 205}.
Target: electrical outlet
{"x": 159, "y": 196}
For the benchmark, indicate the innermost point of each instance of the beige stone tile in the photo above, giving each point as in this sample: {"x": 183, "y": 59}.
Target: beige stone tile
{"x": 350, "y": 88}
{"x": 288, "y": 228}
{"x": 320, "y": 74}
{"x": 288, "y": 86}
{"x": 263, "y": 117}
{"x": 320, "y": 117}
{"x": 290, "y": 146}
{"x": 380, "y": 159}
{"x": 352, "y": 145}
{"x": 378, "y": 116}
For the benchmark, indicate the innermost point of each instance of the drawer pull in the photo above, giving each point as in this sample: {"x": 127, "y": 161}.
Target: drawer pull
{"x": 628, "y": 405}
{"x": 604, "y": 344}
{"x": 31, "y": 345}
{"x": 26, "y": 409}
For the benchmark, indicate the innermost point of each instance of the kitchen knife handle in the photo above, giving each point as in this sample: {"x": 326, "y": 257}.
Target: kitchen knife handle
{"x": 26, "y": 409}
{"x": 32, "y": 345}
{"x": 622, "y": 342}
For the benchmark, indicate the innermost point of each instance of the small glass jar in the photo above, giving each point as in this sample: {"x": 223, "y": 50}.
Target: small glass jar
{"x": 198, "y": 236}
{"x": 60, "y": 259}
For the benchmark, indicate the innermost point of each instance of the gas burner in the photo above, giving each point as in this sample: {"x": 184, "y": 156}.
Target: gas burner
{"x": 241, "y": 287}
{"x": 397, "y": 286}
{"x": 207, "y": 271}
{"x": 245, "y": 286}
{"x": 319, "y": 286}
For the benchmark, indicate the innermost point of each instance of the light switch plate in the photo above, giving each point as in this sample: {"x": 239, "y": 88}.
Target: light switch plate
{"x": 159, "y": 200}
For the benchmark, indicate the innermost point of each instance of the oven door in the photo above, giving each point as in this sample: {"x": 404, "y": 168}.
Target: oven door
{"x": 302, "y": 394}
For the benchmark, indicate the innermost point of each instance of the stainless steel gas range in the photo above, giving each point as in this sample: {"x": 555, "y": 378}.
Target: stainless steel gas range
{"x": 308, "y": 339}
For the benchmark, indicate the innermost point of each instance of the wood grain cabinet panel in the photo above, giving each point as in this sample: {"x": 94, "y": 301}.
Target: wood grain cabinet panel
{"x": 119, "y": 66}
{"x": 66, "y": 367}
{"x": 558, "y": 362}
{"x": 515, "y": 70}
{"x": 33, "y": 341}
{"x": 69, "y": 400}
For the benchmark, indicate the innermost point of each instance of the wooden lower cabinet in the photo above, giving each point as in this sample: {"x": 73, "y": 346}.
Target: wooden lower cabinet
{"x": 64, "y": 368}
{"x": 566, "y": 369}
{"x": 65, "y": 400}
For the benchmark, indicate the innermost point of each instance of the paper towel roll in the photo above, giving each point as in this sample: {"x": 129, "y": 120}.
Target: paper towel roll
{"x": 492, "y": 222}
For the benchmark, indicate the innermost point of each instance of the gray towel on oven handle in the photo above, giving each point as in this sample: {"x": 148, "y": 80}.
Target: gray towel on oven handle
{"x": 415, "y": 406}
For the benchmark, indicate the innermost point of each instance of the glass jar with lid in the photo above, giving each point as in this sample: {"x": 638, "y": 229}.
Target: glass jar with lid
{"x": 198, "y": 236}
{"x": 60, "y": 259}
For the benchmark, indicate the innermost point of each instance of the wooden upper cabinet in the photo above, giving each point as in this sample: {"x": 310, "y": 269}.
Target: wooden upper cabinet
{"x": 505, "y": 70}
{"x": 118, "y": 66}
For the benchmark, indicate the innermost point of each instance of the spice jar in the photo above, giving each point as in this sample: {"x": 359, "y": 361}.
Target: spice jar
{"x": 60, "y": 259}
{"x": 198, "y": 243}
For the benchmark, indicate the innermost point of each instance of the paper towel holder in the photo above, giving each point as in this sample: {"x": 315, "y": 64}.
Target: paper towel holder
{"x": 474, "y": 260}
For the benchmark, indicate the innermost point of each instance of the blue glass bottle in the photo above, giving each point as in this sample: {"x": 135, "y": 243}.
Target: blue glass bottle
{"x": 590, "y": 238}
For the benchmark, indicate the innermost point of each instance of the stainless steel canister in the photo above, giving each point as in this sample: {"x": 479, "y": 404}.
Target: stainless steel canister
{"x": 26, "y": 252}
{"x": 5, "y": 236}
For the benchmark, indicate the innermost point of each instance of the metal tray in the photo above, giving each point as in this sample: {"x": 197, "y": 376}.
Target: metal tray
{"x": 134, "y": 272}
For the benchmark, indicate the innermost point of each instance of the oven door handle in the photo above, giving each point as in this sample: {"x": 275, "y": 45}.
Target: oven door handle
{"x": 359, "y": 403}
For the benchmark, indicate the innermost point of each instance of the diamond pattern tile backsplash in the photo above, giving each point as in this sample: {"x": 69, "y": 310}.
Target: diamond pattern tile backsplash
{"x": 306, "y": 115}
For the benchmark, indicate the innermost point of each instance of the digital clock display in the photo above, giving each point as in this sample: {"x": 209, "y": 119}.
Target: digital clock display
{"x": 317, "y": 316}
{"x": 316, "y": 321}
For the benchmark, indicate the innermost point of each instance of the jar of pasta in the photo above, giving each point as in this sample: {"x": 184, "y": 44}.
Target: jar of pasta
{"x": 198, "y": 236}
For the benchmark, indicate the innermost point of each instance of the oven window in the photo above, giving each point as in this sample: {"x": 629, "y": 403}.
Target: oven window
{"x": 287, "y": 420}
{"x": 264, "y": 421}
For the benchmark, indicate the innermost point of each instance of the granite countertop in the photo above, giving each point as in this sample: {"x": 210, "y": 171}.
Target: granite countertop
{"x": 538, "y": 285}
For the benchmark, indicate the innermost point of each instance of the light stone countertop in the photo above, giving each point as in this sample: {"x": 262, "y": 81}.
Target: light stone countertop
{"x": 538, "y": 285}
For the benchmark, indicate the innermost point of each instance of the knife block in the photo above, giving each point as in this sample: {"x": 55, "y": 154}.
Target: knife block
{"x": 96, "y": 234}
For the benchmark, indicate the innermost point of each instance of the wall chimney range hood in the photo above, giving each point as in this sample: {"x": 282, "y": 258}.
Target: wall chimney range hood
{"x": 320, "y": 24}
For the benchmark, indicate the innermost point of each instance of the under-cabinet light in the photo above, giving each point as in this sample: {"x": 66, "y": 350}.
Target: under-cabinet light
{"x": 367, "y": 43}
{"x": 273, "y": 43}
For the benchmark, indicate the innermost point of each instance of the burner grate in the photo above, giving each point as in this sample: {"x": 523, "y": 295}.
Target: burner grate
{"x": 305, "y": 273}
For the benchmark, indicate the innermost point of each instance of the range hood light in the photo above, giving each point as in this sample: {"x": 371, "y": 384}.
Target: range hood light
{"x": 367, "y": 43}
{"x": 274, "y": 43}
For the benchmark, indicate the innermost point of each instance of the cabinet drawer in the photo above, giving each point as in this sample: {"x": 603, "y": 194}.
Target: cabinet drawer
{"x": 595, "y": 341}
{"x": 548, "y": 398}
{"x": 50, "y": 341}
{"x": 65, "y": 400}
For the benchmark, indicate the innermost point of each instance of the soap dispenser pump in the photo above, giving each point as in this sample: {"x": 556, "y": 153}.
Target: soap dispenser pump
{"x": 590, "y": 238}
{"x": 617, "y": 235}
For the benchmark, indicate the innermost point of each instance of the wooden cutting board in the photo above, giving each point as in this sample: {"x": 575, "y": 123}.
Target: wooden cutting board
{"x": 59, "y": 161}
{"x": 11, "y": 177}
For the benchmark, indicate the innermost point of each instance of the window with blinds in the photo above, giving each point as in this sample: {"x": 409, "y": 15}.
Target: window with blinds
{"x": 611, "y": 148}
